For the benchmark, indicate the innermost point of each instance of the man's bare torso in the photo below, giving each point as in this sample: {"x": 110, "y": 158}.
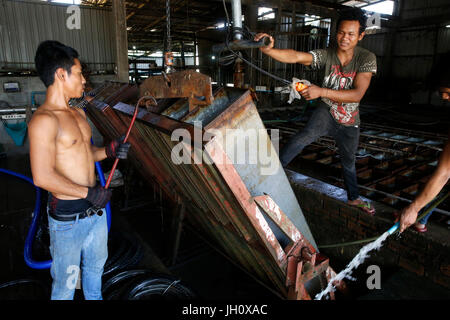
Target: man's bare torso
{"x": 74, "y": 158}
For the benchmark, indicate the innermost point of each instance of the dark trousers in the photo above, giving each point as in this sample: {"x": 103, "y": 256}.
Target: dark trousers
{"x": 321, "y": 124}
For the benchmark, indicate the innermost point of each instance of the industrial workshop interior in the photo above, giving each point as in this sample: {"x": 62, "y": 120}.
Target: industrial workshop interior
{"x": 224, "y": 150}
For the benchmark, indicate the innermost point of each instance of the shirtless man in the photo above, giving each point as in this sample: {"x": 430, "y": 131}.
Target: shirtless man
{"x": 62, "y": 162}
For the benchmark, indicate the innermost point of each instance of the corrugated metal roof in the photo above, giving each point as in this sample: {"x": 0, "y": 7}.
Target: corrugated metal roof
{"x": 415, "y": 43}
{"x": 374, "y": 43}
{"x": 443, "y": 40}
{"x": 412, "y": 68}
{"x": 424, "y": 8}
{"x": 23, "y": 25}
{"x": 413, "y": 52}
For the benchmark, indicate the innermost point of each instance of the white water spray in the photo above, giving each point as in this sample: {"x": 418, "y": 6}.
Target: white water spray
{"x": 355, "y": 263}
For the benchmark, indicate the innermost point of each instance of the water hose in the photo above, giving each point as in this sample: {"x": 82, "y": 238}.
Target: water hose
{"x": 432, "y": 206}
{"x": 102, "y": 182}
{"x": 141, "y": 284}
{"x": 390, "y": 231}
{"x": 124, "y": 251}
{"x": 24, "y": 282}
{"x": 27, "y": 253}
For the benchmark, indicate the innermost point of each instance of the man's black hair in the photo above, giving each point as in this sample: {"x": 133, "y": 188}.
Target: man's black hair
{"x": 353, "y": 14}
{"x": 51, "y": 55}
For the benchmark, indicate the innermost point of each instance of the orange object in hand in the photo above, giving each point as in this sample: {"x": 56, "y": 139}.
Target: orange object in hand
{"x": 299, "y": 86}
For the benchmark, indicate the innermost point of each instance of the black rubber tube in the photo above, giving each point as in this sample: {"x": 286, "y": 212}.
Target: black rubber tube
{"x": 144, "y": 284}
{"x": 159, "y": 287}
{"x": 109, "y": 288}
{"x": 129, "y": 254}
{"x": 45, "y": 289}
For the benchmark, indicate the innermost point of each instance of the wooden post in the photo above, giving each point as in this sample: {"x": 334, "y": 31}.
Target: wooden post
{"x": 333, "y": 29}
{"x": 183, "y": 59}
{"x": 195, "y": 52}
{"x": 435, "y": 47}
{"x": 120, "y": 34}
{"x": 391, "y": 39}
{"x": 136, "y": 74}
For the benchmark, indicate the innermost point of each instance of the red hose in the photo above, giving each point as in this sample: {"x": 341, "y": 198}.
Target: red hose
{"x": 136, "y": 109}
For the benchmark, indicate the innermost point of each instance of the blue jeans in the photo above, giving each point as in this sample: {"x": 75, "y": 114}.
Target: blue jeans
{"x": 82, "y": 241}
{"x": 424, "y": 220}
{"x": 321, "y": 124}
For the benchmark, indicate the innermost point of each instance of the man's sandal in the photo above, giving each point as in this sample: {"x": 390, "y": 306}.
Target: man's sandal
{"x": 365, "y": 207}
{"x": 396, "y": 215}
{"x": 421, "y": 230}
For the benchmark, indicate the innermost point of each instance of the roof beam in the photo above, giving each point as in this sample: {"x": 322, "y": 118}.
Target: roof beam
{"x": 178, "y": 6}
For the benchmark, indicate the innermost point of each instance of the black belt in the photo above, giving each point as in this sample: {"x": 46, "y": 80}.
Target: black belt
{"x": 89, "y": 212}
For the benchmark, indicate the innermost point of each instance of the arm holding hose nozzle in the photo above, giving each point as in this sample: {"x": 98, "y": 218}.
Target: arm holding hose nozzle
{"x": 437, "y": 181}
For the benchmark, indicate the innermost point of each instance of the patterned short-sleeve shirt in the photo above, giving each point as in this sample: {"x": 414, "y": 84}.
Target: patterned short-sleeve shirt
{"x": 338, "y": 77}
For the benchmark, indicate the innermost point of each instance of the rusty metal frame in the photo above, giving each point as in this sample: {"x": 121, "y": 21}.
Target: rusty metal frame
{"x": 215, "y": 195}
{"x": 182, "y": 84}
{"x": 116, "y": 126}
{"x": 209, "y": 180}
{"x": 232, "y": 178}
{"x": 304, "y": 263}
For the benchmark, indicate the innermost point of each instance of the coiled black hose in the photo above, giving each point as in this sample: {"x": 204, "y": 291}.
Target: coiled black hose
{"x": 142, "y": 284}
{"x": 127, "y": 252}
{"x": 17, "y": 292}
{"x": 159, "y": 288}
{"x": 112, "y": 288}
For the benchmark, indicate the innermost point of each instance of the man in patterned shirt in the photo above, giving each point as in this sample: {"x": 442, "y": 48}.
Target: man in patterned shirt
{"x": 348, "y": 71}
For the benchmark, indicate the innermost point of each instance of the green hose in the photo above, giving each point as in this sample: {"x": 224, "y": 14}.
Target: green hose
{"x": 295, "y": 119}
{"x": 344, "y": 244}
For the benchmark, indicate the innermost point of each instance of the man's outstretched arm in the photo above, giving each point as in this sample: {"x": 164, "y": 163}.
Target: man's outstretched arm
{"x": 432, "y": 188}
{"x": 284, "y": 55}
{"x": 42, "y": 131}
